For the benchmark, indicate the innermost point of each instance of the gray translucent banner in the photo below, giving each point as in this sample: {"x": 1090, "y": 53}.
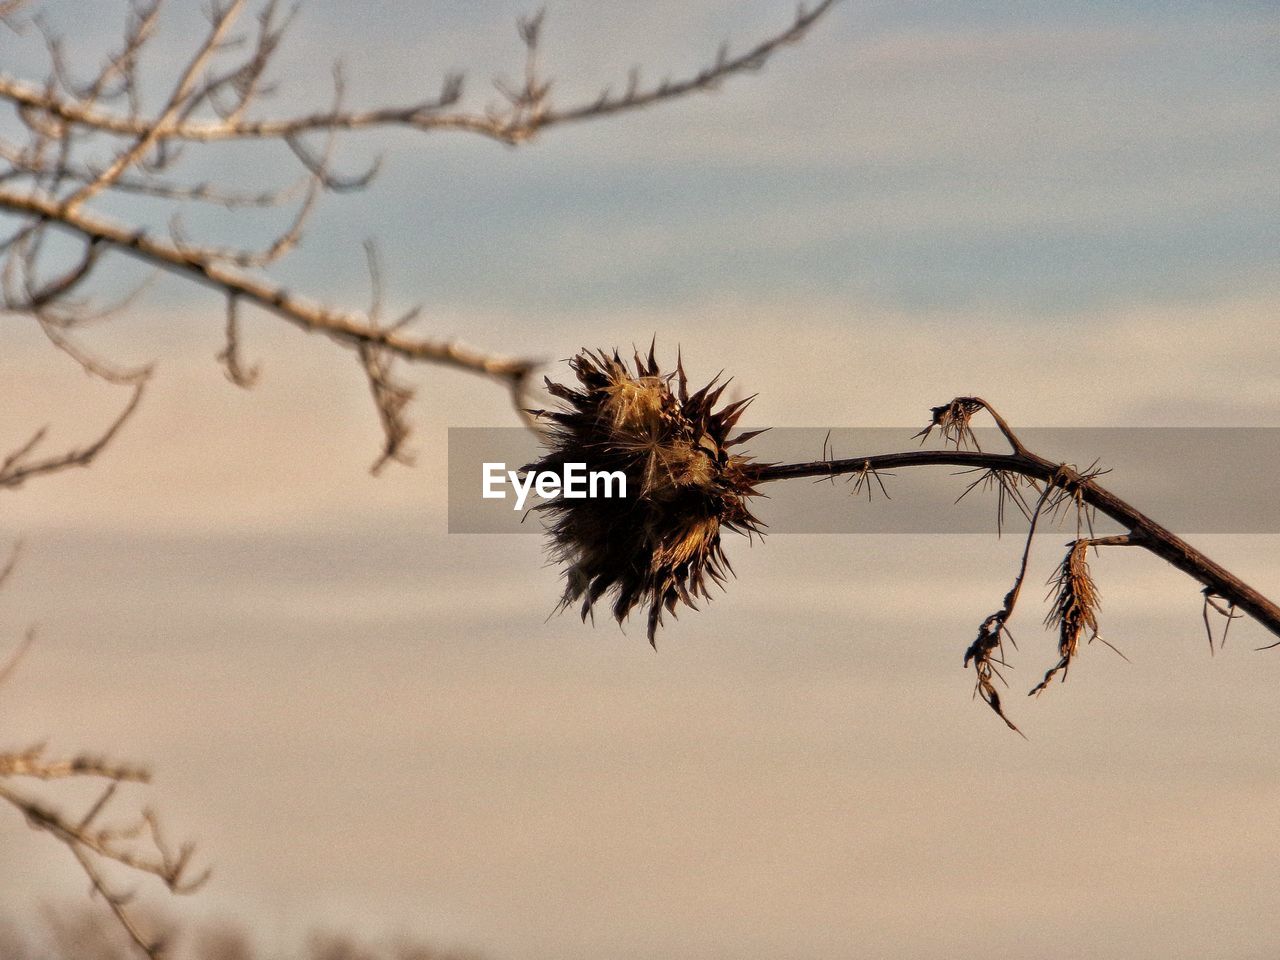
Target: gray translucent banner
{"x": 1190, "y": 479}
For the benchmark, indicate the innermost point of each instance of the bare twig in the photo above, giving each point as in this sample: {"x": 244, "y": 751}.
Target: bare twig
{"x": 1142, "y": 530}
{"x": 52, "y": 180}
{"x": 19, "y": 466}
{"x": 529, "y": 113}
{"x": 1074, "y": 611}
{"x": 233, "y": 366}
{"x": 986, "y": 653}
{"x": 84, "y": 141}
{"x": 138, "y": 847}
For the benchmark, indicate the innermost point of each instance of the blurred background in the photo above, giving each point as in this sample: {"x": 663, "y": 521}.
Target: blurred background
{"x": 372, "y": 726}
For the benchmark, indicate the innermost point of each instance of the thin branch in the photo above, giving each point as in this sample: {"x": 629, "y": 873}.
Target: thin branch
{"x": 349, "y": 328}
{"x": 222, "y": 21}
{"x": 1075, "y": 605}
{"x": 517, "y": 126}
{"x": 19, "y": 467}
{"x": 94, "y": 846}
{"x": 1143, "y": 531}
{"x": 138, "y": 847}
{"x": 232, "y": 365}
{"x": 50, "y": 185}
{"x": 986, "y": 653}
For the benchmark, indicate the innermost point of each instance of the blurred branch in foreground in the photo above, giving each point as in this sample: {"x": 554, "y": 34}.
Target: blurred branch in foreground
{"x": 105, "y": 852}
{"x": 83, "y": 138}
{"x": 86, "y": 137}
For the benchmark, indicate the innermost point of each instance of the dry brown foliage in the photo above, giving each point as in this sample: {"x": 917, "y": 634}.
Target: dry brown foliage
{"x": 654, "y": 547}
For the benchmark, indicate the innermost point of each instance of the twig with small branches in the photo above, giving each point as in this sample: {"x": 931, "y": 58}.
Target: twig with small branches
{"x": 138, "y": 847}
{"x": 52, "y": 180}
{"x": 84, "y": 141}
{"x": 1061, "y": 487}
{"x": 22, "y": 464}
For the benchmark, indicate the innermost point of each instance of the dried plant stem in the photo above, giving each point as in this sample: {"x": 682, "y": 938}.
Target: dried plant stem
{"x": 1142, "y": 531}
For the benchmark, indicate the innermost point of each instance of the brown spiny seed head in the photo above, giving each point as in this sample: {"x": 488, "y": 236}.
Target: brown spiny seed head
{"x": 660, "y": 544}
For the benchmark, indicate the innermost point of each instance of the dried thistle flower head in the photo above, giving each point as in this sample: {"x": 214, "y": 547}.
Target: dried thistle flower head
{"x": 660, "y": 544}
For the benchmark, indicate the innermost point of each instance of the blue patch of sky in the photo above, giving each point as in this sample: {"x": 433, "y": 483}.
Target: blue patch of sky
{"x": 575, "y": 222}
{"x": 500, "y": 229}
{"x": 529, "y": 231}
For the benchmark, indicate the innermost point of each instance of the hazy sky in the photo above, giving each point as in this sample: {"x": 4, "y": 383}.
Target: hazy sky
{"x": 1070, "y": 208}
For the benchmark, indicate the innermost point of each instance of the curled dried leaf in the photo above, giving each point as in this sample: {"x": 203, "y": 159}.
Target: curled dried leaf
{"x": 1074, "y": 610}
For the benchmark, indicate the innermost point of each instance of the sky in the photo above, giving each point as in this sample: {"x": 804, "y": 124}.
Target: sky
{"x": 370, "y": 724}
